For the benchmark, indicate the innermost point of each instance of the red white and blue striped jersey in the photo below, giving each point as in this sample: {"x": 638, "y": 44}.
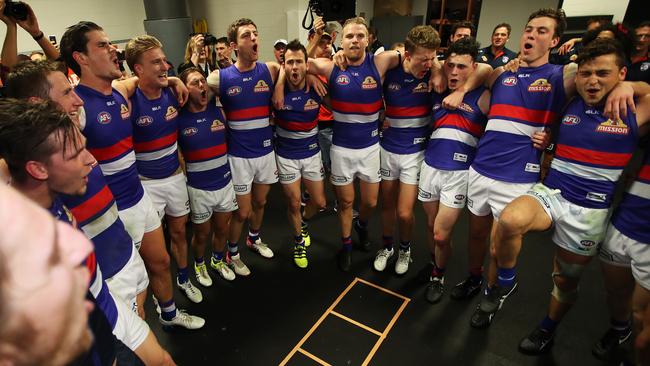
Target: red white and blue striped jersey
{"x": 408, "y": 112}
{"x": 590, "y": 154}
{"x": 632, "y": 217}
{"x": 97, "y": 216}
{"x": 297, "y": 125}
{"x": 522, "y": 103}
{"x": 356, "y": 98}
{"x": 246, "y": 99}
{"x": 202, "y": 139}
{"x": 97, "y": 285}
{"x": 155, "y": 129}
{"x": 109, "y": 137}
{"x": 452, "y": 145}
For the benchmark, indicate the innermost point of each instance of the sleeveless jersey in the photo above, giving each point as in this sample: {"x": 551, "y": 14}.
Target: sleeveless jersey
{"x": 456, "y": 133}
{"x": 408, "y": 112}
{"x": 109, "y": 137}
{"x": 591, "y": 153}
{"x": 297, "y": 125}
{"x": 356, "y": 101}
{"x": 202, "y": 139}
{"x": 246, "y": 99}
{"x": 155, "y": 129}
{"x": 522, "y": 103}
{"x": 632, "y": 217}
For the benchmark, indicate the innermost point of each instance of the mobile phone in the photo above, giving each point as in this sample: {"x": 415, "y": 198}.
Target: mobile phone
{"x": 52, "y": 39}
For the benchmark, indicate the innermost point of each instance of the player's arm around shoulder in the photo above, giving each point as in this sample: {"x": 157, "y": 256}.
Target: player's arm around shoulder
{"x": 213, "y": 81}
{"x": 569, "y": 78}
{"x": 643, "y": 114}
{"x": 386, "y": 60}
{"x": 274, "y": 69}
{"x": 484, "y": 102}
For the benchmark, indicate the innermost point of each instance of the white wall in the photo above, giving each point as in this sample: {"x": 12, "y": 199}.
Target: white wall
{"x": 574, "y": 8}
{"x": 121, "y": 19}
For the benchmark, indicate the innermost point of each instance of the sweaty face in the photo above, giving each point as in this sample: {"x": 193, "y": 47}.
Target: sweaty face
{"x": 597, "y": 77}
{"x": 500, "y": 37}
{"x": 63, "y": 94}
{"x": 538, "y": 38}
{"x": 68, "y": 168}
{"x": 152, "y": 68}
{"x": 198, "y": 89}
{"x": 355, "y": 41}
{"x": 458, "y": 68}
{"x": 643, "y": 37}
{"x": 295, "y": 67}
{"x": 420, "y": 61}
{"x": 460, "y": 34}
{"x": 101, "y": 56}
{"x": 247, "y": 43}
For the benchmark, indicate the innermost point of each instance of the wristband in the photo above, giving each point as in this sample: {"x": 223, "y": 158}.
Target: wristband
{"x": 39, "y": 36}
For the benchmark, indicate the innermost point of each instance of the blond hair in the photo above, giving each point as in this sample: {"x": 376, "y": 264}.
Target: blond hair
{"x": 422, "y": 36}
{"x": 137, "y": 46}
{"x": 356, "y": 20}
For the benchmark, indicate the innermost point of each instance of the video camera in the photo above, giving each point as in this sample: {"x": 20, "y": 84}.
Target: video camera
{"x": 208, "y": 39}
{"x": 17, "y": 10}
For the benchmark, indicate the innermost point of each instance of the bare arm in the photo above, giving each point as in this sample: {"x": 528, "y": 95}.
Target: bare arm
{"x": 643, "y": 114}
{"x": 30, "y": 25}
{"x": 478, "y": 78}
{"x": 126, "y": 86}
{"x": 320, "y": 66}
{"x": 386, "y": 61}
{"x": 622, "y": 97}
{"x": 484, "y": 102}
{"x": 569, "y": 77}
{"x": 319, "y": 26}
{"x": 10, "y": 45}
{"x": 274, "y": 69}
{"x": 213, "y": 81}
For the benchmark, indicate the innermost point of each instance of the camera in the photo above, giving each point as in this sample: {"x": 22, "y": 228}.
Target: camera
{"x": 208, "y": 39}
{"x": 316, "y": 7}
{"x": 16, "y": 9}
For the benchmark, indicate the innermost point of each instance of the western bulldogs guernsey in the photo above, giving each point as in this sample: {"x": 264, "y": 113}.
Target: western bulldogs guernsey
{"x": 522, "y": 103}
{"x": 97, "y": 286}
{"x": 202, "y": 138}
{"x": 297, "y": 125}
{"x": 632, "y": 217}
{"x": 456, "y": 133}
{"x": 408, "y": 112}
{"x": 356, "y": 101}
{"x": 155, "y": 130}
{"x": 109, "y": 136}
{"x": 590, "y": 155}
{"x": 246, "y": 98}
{"x": 97, "y": 216}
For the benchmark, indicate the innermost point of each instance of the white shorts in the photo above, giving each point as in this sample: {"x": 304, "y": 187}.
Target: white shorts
{"x": 129, "y": 328}
{"x": 620, "y": 250}
{"x": 577, "y": 229}
{"x": 348, "y": 164}
{"x": 204, "y": 203}
{"x": 290, "y": 170}
{"x": 406, "y": 168}
{"x": 130, "y": 281}
{"x": 447, "y": 186}
{"x": 140, "y": 219}
{"x": 489, "y": 196}
{"x": 247, "y": 171}
{"x": 168, "y": 195}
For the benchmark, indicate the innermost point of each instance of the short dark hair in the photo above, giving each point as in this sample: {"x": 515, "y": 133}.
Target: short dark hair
{"x": 463, "y": 24}
{"x": 295, "y": 46}
{"x": 555, "y": 14}
{"x": 465, "y": 46}
{"x": 503, "y": 25}
{"x": 601, "y": 47}
{"x": 223, "y": 40}
{"x": 599, "y": 20}
{"x": 75, "y": 40}
{"x": 234, "y": 27}
{"x": 373, "y": 30}
{"x": 622, "y": 34}
{"x": 645, "y": 23}
{"x": 25, "y": 130}
{"x": 186, "y": 73}
{"x": 29, "y": 79}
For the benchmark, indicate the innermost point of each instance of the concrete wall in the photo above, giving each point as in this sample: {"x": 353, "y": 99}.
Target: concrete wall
{"x": 596, "y": 7}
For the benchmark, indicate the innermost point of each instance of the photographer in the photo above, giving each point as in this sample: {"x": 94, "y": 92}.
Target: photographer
{"x": 197, "y": 54}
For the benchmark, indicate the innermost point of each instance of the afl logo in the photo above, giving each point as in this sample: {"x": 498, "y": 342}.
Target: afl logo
{"x": 233, "y": 90}
{"x": 190, "y": 131}
{"x": 587, "y": 243}
{"x": 343, "y": 80}
{"x": 144, "y": 121}
{"x": 509, "y": 81}
{"x": 394, "y": 87}
{"x": 644, "y": 66}
{"x": 104, "y": 118}
{"x": 570, "y": 120}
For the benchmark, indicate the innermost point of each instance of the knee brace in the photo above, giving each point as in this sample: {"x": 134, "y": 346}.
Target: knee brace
{"x": 569, "y": 271}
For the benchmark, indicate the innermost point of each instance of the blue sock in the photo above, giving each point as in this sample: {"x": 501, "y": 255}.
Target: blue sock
{"x": 168, "y": 310}
{"x": 182, "y": 275}
{"x": 347, "y": 243}
{"x": 218, "y": 256}
{"x": 233, "y": 248}
{"x": 548, "y": 324}
{"x": 404, "y": 246}
{"x": 253, "y": 235}
{"x": 506, "y": 277}
{"x": 199, "y": 261}
{"x": 388, "y": 242}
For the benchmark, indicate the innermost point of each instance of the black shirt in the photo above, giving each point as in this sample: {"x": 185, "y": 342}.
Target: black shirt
{"x": 501, "y": 58}
{"x": 639, "y": 71}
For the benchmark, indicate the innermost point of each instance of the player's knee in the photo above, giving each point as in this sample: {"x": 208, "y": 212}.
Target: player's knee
{"x": 167, "y": 359}
{"x": 510, "y": 223}
{"x": 404, "y": 215}
{"x": 160, "y": 264}
{"x": 565, "y": 281}
{"x": 441, "y": 238}
{"x": 259, "y": 202}
{"x": 242, "y": 214}
{"x": 345, "y": 203}
{"x": 294, "y": 205}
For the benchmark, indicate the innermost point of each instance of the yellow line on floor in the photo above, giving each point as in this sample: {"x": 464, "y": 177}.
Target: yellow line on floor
{"x": 383, "y": 336}
{"x": 306, "y": 353}
{"x": 383, "y": 289}
{"x": 360, "y": 325}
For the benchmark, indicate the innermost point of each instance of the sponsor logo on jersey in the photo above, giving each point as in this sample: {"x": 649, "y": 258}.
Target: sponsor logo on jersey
{"x": 617, "y": 127}
{"x": 505, "y": 59}
{"x": 171, "y": 113}
{"x": 465, "y": 107}
{"x": 190, "y": 131}
{"x": 484, "y": 58}
{"x": 540, "y": 86}
{"x": 598, "y": 197}
{"x": 644, "y": 66}
{"x": 286, "y": 107}
{"x": 460, "y": 157}
{"x": 509, "y": 81}
{"x": 459, "y": 197}
{"x": 124, "y": 111}
{"x": 310, "y": 104}
{"x": 587, "y": 243}
{"x": 421, "y": 88}
{"x": 261, "y": 87}
{"x": 591, "y": 111}
{"x": 144, "y": 121}
{"x": 384, "y": 172}
{"x": 419, "y": 140}
{"x": 217, "y": 126}
{"x": 424, "y": 194}
{"x": 369, "y": 83}
{"x": 436, "y": 106}
{"x": 571, "y": 120}
{"x": 394, "y": 87}
{"x": 532, "y": 168}
{"x": 104, "y": 118}
{"x": 343, "y": 80}
{"x": 233, "y": 90}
